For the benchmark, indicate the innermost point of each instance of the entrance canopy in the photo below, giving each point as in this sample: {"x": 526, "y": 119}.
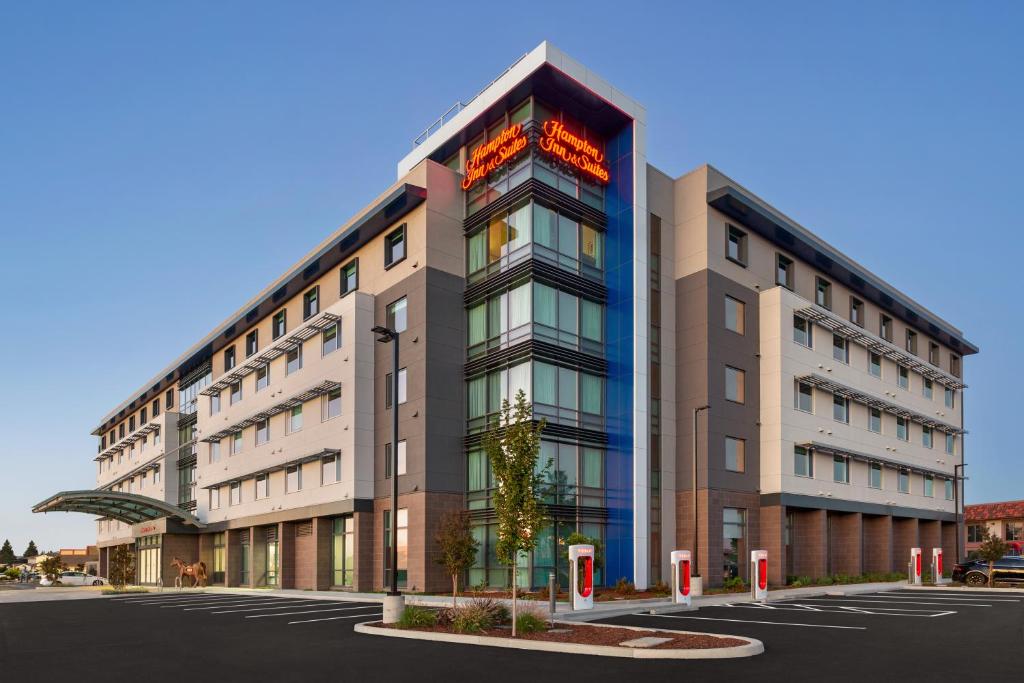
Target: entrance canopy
{"x": 130, "y": 508}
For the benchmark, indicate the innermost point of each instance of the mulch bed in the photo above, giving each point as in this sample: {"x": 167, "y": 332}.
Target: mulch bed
{"x": 586, "y": 634}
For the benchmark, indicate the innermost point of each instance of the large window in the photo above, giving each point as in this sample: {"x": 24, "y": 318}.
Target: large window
{"x": 262, "y": 431}
{"x": 903, "y": 377}
{"x": 875, "y": 420}
{"x": 784, "y": 271}
{"x": 823, "y": 293}
{"x": 279, "y": 325}
{"x": 1014, "y": 531}
{"x": 402, "y": 388}
{"x": 903, "y": 481}
{"x": 803, "y": 463}
{"x": 332, "y": 404}
{"x": 397, "y": 318}
{"x": 330, "y": 339}
{"x": 975, "y": 533}
{"x": 734, "y": 524}
{"x": 389, "y": 458}
{"x": 735, "y": 381}
{"x": 902, "y": 428}
{"x": 343, "y": 555}
{"x": 350, "y": 277}
{"x": 840, "y": 408}
{"x": 926, "y": 436}
{"x": 403, "y": 547}
{"x": 803, "y": 331}
{"x": 929, "y": 486}
{"x": 734, "y": 313}
{"x": 293, "y": 479}
{"x": 735, "y": 454}
{"x": 874, "y": 364}
{"x": 736, "y": 245}
{"x": 875, "y": 475}
{"x": 394, "y": 247}
{"x": 841, "y": 469}
{"x": 330, "y": 469}
{"x": 804, "y": 397}
{"x": 293, "y": 360}
{"x": 310, "y": 303}
{"x": 294, "y": 419}
{"x": 840, "y": 348}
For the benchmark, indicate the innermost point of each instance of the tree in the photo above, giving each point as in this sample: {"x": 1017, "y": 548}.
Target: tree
{"x": 458, "y": 547}
{"x": 6, "y": 553}
{"x": 122, "y": 567}
{"x": 992, "y": 548}
{"x": 51, "y": 567}
{"x": 31, "y": 550}
{"x": 512, "y": 443}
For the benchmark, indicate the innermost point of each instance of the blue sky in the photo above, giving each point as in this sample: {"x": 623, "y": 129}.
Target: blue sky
{"x": 160, "y": 163}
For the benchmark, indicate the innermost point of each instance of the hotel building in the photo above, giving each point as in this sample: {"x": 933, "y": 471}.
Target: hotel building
{"x": 528, "y": 244}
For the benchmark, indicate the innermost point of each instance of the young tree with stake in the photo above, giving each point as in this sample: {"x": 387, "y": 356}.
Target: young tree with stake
{"x": 992, "y": 549}
{"x": 458, "y": 547}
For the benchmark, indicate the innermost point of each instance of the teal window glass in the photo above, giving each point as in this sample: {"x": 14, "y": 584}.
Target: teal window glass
{"x": 545, "y": 305}
{"x": 544, "y": 226}
{"x": 567, "y": 389}
{"x": 591, "y": 393}
{"x": 520, "y": 225}
{"x": 477, "y": 473}
{"x": 478, "y": 324}
{"x": 568, "y": 320}
{"x": 477, "y": 251}
{"x": 545, "y": 383}
{"x": 591, "y": 324}
{"x": 478, "y": 397}
{"x": 593, "y": 468}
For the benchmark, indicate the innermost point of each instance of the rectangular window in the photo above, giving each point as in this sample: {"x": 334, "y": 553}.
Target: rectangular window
{"x": 293, "y": 360}
{"x": 874, "y": 364}
{"x": 262, "y": 431}
{"x": 388, "y": 458}
{"x": 330, "y": 340}
{"x": 1014, "y": 531}
{"x": 215, "y": 403}
{"x": 784, "y": 271}
{"x": 885, "y": 328}
{"x": 262, "y": 486}
{"x": 902, "y": 428}
{"x": 926, "y": 436}
{"x": 330, "y": 469}
{"x": 929, "y": 486}
{"x": 142, "y": 417}
{"x": 214, "y": 451}
{"x": 332, "y": 404}
{"x": 840, "y": 349}
{"x": 875, "y": 420}
{"x": 803, "y": 466}
{"x": 954, "y": 365}
{"x": 950, "y": 397}
{"x": 397, "y": 319}
{"x": 734, "y": 523}
{"x": 156, "y": 407}
{"x": 734, "y": 384}
{"x": 236, "y": 392}
{"x": 295, "y": 419}
{"x": 403, "y": 546}
{"x": 804, "y": 397}
{"x": 310, "y": 303}
{"x": 904, "y": 481}
{"x": 840, "y": 470}
{"x": 933, "y": 353}
{"x": 236, "y": 443}
{"x": 841, "y": 408}
{"x": 950, "y": 444}
{"x": 736, "y": 245}
{"x": 215, "y": 499}
{"x": 235, "y": 494}
{"x": 734, "y": 313}
{"x": 229, "y": 358}
{"x": 912, "y": 342}
{"x": 293, "y": 479}
{"x": 856, "y": 311}
{"x": 823, "y": 293}
{"x": 262, "y": 377}
{"x": 394, "y": 247}
{"x": 169, "y": 399}
{"x": 903, "y": 377}
{"x": 251, "y": 343}
{"x": 402, "y": 386}
{"x": 949, "y": 489}
{"x": 926, "y": 389}
{"x": 975, "y": 533}
{"x": 735, "y": 454}
{"x": 279, "y": 324}
{"x": 156, "y": 476}
{"x": 803, "y": 331}
{"x": 875, "y": 475}
{"x": 350, "y": 277}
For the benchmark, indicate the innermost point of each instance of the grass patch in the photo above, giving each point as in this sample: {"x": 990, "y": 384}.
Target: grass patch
{"x": 417, "y": 617}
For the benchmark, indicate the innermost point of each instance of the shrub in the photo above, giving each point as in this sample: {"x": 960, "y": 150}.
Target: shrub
{"x": 734, "y": 583}
{"x": 480, "y": 614}
{"x": 417, "y": 617}
{"x": 825, "y": 581}
{"x": 625, "y": 587}
{"x": 660, "y": 588}
{"x": 530, "y": 622}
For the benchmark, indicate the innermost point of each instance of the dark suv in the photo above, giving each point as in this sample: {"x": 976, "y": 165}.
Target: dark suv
{"x": 1009, "y": 569}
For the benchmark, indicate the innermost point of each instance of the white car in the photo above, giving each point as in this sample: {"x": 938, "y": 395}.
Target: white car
{"x": 71, "y": 578}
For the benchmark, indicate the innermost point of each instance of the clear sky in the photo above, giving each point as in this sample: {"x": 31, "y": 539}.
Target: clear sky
{"x": 162, "y": 162}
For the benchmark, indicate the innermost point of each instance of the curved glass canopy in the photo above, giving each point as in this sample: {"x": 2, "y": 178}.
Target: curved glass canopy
{"x": 130, "y": 508}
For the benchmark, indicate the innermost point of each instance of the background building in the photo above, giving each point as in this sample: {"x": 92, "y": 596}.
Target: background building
{"x": 1004, "y": 520}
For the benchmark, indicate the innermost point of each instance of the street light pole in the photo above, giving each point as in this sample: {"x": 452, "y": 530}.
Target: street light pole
{"x": 696, "y": 526}
{"x": 957, "y": 478}
{"x": 388, "y": 335}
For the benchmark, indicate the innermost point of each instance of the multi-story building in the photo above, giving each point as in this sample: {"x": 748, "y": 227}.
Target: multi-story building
{"x": 1003, "y": 520}
{"x": 527, "y": 244}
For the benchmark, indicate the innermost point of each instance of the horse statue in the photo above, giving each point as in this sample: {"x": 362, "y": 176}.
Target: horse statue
{"x": 196, "y": 570}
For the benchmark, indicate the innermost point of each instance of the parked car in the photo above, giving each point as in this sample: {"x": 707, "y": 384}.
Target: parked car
{"x": 1009, "y": 569}
{"x": 72, "y": 578}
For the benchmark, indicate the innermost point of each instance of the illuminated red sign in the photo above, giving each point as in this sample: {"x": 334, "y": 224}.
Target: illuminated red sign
{"x": 938, "y": 561}
{"x": 574, "y": 150}
{"x": 147, "y": 529}
{"x": 684, "y": 576}
{"x": 588, "y": 576}
{"x": 492, "y": 154}
{"x": 762, "y": 573}
{"x": 917, "y": 565}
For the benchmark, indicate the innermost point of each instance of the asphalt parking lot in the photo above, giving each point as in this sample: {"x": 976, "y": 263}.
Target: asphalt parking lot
{"x": 900, "y": 635}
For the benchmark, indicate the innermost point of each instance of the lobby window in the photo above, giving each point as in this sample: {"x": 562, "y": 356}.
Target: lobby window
{"x": 856, "y": 311}
{"x": 310, "y": 303}
{"x": 875, "y": 364}
{"x": 950, "y": 444}
{"x": 949, "y": 489}
{"x": 293, "y": 360}
{"x": 262, "y": 486}
{"x": 803, "y": 464}
{"x": 735, "y": 454}
{"x": 975, "y": 533}
{"x": 235, "y": 494}
{"x": 926, "y": 436}
{"x": 229, "y": 358}
{"x": 954, "y": 365}
{"x": 903, "y": 481}
{"x": 736, "y": 245}
{"x": 215, "y": 499}
{"x": 841, "y": 469}
{"x": 397, "y": 317}
{"x": 735, "y": 380}
{"x": 803, "y": 331}
{"x": 926, "y": 389}
{"x": 262, "y": 431}
{"x": 929, "y": 486}
{"x": 902, "y": 428}
{"x": 332, "y": 404}
{"x": 293, "y": 479}
{"x": 734, "y": 314}
{"x": 401, "y": 459}
{"x": 214, "y": 451}
{"x": 403, "y": 546}
{"x": 343, "y": 551}
{"x": 236, "y": 392}
{"x": 330, "y": 469}
{"x": 402, "y": 385}
{"x": 875, "y": 420}
{"x": 784, "y": 271}
{"x": 251, "y": 343}
{"x": 841, "y": 408}
{"x": 903, "y": 377}
{"x": 394, "y": 246}
{"x": 262, "y": 377}
{"x": 295, "y": 419}
{"x": 279, "y": 324}
{"x": 734, "y": 523}
{"x": 875, "y": 475}
{"x": 885, "y": 328}
{"x": 330, "y": 339}
{"x": 350, "y": 277}
{"x": 804, "y": 397}
{"x": 912, "y": 342}
{"x": 236, "y": 443}
{"x": 950, "y": 397}
{"x": 823, "y": 293}
{"x": 840, "y": 349}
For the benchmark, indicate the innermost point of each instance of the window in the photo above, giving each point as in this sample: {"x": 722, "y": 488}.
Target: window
{"x": 403, "y": 546}
{"x": 294, "y": 419}
{"x": 388, "y": 457}
{"x": 262, "y": 486}
{"x": 279, "y": 324}
{"x": 169, "y": 399}
{"x": 394, "y": 247}
{"x": 904, "y": 481}
{"x": 734, "y": 523}
{"x": 736, "y": 245}
{"x": 397, "y": 318}
{"x": 903, "y": 377}
{"x": 784, "y": 271}
{"x": 251, "y": 343}
{"x": 330, "y": 340}
{"x": 840, "y": 470}
{"x": 803, "y": 465}
{"x": 949, "y": 489}
{"x": 293, "y": 479}
{"x": 236, "y": 392}
{"x": 214, "y": 451}
{"x": 734, "y": 384}
{"x": 330, "y": 469}
{"x": 840, "y": 408}
{"x": 293, "y": 360}
{"x": 875, "y": 420}
{"x": 954, "y": 365}
{"x": 950, "y": 398}
{"x": 804, "y": 397}
{"x": 262, "y": 431}
{"x": 131, "y": 424}
{"x": 929, "y": 486}
{"x": 229, "y": 360}
{"x": 215, "y": 403}
{"x": 215, "y": 499}
{"x": 262, "y": 377}
{"x": 1014, "y": 531}
{"x": 933, "y": 353}
{"x": 803, "y": 331}
{"x": 912, "y": 341}
{"x": 902, "y": 428}
{"x": 840, "y": 349}
{"x": 874, "y": 364}
{"x": 156, "y": 476}
{"x": 332, "y": 404}
{"x": 950, "y": 444}
{"x": 823, "y": 293}
{"x": 142, "y": 417}
{"x": 236, "y": 443}
{"x": 734, "y": 313}
{"x": 235, "y": 494}
{"x": 156, "y": 437}
{"x": 885, "y": 328}
{"x": 350, "y": 277}
{"x": 875, "y": 475}
{"x": 591, "y": 246}
{"x": 926, "y": 436}
{"x": 975, "y": 533}
{"x": 926, "y": 388}
{"x": 343, "y": 551}
{"x": 856, "y": 311}
{"x": 310, "y": 303}
{"x": 402, "y": 384}
{"x": 735, "y": 454}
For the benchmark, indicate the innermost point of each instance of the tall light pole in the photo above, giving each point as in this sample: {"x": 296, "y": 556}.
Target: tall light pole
{"x": 386, "y": 335}
{"x": 696, "y": 526}
{"x": 957, "y": 478}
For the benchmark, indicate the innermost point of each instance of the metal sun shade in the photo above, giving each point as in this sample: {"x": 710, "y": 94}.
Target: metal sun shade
{"x": 130, "y": 508}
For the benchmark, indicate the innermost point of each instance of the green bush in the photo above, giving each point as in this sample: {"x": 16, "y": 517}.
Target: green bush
{"x": 734, "y": 583}
{"x": 417, "y": 617}
{"x": 481, "y": 614}
{"x": 528, "y": 622}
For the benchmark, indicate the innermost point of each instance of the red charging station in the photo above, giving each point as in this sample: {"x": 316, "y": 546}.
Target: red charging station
{"x": 681, "y": 577}
{"x": 581, "y": 576}
{"x": 915, "y": 566}
{"x": 759, "y": 574}
{"x": 937, "y": 566}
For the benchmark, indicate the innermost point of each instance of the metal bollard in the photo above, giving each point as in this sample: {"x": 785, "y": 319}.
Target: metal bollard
{"x": 552, "y": 595}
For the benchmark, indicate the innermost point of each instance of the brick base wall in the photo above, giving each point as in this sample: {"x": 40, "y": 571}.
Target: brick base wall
{"x": 904, "y": 537}
{"x": 845, "y": 543}
{"x": 877, "y": 543}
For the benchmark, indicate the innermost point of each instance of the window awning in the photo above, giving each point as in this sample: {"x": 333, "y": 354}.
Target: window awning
{"x": 298, "y": 399}
{"x": 130, "y": 508}
{"x": 311, "y": 457}
{"x": 864, "y": 457}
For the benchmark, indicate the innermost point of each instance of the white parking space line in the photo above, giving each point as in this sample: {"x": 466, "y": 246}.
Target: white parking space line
{"x": 182, "y": 602}
{"x": 233, "y": 601}
{"x": 827, "y": 601}
{"x": 840, "y": 609}
{"x": 263, "y": 609}
{"x": 312, "y": 611}
{"x": 165, "y": 598}
{"x": 750, "y": 621}
{"x": 354, "y": 616}
{"x": 947, "y": 598}
{"x": 247, "y": 604}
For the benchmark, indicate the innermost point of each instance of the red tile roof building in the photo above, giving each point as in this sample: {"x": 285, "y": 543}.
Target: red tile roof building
{"x": 1005, "y": 520}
